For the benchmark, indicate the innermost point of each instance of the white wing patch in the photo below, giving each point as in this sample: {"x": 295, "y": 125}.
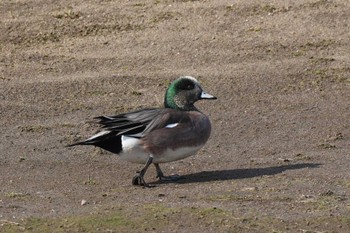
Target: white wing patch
{"x": 171, "y": 125}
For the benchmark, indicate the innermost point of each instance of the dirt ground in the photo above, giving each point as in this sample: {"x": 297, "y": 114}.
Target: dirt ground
{"x": 279, "y": 155}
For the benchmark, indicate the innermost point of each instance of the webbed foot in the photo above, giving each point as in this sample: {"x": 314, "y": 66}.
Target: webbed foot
{"x": 162, "y": 177}
{"x": 138, "y": 180}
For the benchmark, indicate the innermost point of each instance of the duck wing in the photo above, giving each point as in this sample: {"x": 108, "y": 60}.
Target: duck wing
{"x": 139, "y": 123}
{"x": 133, "y": 124}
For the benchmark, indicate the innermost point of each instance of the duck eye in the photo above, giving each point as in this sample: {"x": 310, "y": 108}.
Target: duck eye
{"x": 189, "y": 87}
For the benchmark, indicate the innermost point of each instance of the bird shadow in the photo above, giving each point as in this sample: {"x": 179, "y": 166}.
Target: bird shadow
{"x": 234, "y": 174}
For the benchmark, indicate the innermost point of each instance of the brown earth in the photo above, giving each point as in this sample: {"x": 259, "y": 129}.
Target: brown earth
{"x": 278, "y": 158}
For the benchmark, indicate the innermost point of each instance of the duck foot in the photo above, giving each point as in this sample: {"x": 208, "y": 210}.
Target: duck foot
{"x": 162, "y": 177}
{"x": 138, "y": 179}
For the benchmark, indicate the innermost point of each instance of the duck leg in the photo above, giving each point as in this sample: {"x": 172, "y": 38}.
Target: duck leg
{"x": 160, "y": 175}
{"x": 138, "y": 179}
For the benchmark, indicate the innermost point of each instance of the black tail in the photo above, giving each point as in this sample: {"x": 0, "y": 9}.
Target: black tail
{"x": 76, "y": 144}
{"x": 109, "y": 142}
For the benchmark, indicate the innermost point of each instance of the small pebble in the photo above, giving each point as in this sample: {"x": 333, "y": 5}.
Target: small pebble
{"x": 83, "y": 202}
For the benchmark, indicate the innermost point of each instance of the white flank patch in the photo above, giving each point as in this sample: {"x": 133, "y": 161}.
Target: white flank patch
{"x": 128, "y": 143}
{"x": 171, "y": 125}
{"x": 98, "y": 135}
{"x": 132, "y": 150}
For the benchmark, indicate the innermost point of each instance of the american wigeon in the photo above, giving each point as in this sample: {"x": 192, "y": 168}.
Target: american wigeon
{"x": 157, "y": 135}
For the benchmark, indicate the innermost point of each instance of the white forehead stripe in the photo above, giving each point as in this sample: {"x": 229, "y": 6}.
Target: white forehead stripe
{"x": 190, "y": 77}
{"x": 171, "y": 125}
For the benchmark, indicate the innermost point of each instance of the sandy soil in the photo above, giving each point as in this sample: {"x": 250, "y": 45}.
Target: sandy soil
{"x": 278, "y": 158}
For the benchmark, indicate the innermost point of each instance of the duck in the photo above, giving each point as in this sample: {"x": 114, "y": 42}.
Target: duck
{"x": 157, "y": 135}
